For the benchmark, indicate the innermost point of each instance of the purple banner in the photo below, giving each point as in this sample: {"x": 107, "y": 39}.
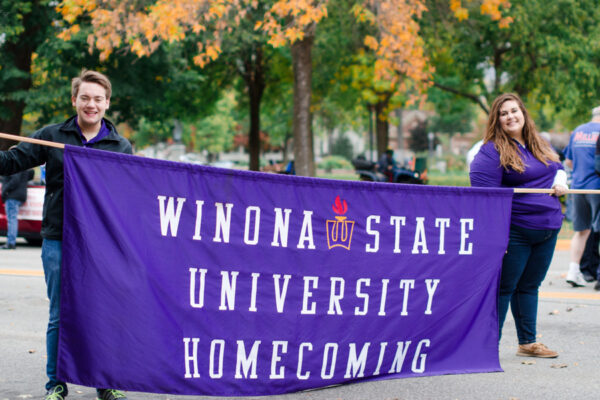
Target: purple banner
{"x": 187, "y": 279}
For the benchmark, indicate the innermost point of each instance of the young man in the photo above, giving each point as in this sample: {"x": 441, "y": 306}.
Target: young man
{"x": 90, "y": 96}
{"x": 586, "y": 207}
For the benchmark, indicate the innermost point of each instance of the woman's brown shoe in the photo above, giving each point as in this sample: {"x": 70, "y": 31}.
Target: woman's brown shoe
{"x": 536, "y": 350}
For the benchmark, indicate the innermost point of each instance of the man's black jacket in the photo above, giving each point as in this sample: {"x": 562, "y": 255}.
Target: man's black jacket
{"x": 27, "y": 155}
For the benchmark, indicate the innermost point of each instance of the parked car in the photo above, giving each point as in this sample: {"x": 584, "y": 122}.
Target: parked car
{"x": 30, "y": 214}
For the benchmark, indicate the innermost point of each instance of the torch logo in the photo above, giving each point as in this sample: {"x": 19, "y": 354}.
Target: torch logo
{"x": 339, "y": 231}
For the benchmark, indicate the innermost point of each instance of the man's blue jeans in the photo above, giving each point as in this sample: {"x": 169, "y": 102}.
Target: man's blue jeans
{"x": 12, "y": 210}
{"x": 524, "y": 267}
{"x": 51, "y": 259}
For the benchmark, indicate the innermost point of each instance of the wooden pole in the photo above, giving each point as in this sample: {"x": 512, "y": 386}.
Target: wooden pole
{"x": 62, "y": 146}
{"x": 17, "y": 138}
{"x": 551, "y": 191}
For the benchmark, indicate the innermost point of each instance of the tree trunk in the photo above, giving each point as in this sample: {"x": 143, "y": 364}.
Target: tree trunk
{"x": 20, "y": 54}
{"x": 17, "y": 55}
{"x": 381, "y": 127}
{"x": 13, "y": 123}
{"x": 302, "y": 122}
{"x": 255, "y": 82}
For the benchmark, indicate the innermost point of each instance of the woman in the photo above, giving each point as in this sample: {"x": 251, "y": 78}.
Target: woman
{"x": 515, "y": 155}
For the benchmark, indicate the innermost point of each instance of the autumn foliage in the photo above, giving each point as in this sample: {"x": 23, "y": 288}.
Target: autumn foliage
{"x": 493, "y": 8}
{"x": 397, "y": 46}
{"x": 141, "y": 28}
{"x": 290, "y": 20}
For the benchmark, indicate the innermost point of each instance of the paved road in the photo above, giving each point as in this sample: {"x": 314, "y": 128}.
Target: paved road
{"x": 569, "y": 322}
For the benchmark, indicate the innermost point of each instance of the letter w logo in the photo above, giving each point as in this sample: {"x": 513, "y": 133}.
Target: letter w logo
{"x": 168, "y": 216}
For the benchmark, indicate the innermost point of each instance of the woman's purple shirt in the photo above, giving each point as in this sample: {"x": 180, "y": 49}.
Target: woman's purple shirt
{"x": 529, "y": 210}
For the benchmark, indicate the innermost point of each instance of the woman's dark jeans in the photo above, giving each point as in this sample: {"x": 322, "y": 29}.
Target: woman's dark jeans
{"x": 524, "y": 267}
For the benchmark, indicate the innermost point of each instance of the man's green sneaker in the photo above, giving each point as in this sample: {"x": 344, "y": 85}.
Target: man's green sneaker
{"x": 58, "y": 392}
{"x": 110, "y": 394}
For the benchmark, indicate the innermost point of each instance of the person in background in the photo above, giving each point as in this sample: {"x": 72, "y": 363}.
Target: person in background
{"x": 90, "y": 96}
{"x": 590, "y": 259}
{"x": 43, "y": 174}
{"x": 473, "y": 152}
{"x": 514, "y": 155}
{"x": 14, "y": 194}
{"x": 596, "y": 111}
{"x": 579, "y": 155}
{"x": 387, "y": 164}
{"x": 290, "y": 169}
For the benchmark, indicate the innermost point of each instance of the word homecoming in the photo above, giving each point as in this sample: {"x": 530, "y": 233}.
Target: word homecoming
{"x": 339, "y": 229}
{"x": 283, "y": 362}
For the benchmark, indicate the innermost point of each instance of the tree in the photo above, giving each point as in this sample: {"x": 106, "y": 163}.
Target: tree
{"x": 549, "y": 54}
{"x": 278, "y": 102}
{"x": 246, "y": 50}
{"x": 215, "y": 133}
{"x": 25, "y": 25}
{"x": 143, "y": 28}
{"x": 397, "y": 47}
{"x": 295, "y": 22}
{"x": 335, "y": 105}
{"x": 342, "y": 146}
{"x": 388, "y": 68}
{"x": 454, "y": 114}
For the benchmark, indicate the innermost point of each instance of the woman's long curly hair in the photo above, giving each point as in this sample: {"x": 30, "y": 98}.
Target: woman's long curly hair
{"x": 508, "y": 149}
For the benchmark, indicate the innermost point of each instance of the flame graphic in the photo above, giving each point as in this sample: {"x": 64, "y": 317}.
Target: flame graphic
{"x": 340, "y": 206}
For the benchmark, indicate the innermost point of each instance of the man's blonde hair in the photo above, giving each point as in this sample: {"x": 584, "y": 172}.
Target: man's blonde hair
{"x": 91, "y": 76}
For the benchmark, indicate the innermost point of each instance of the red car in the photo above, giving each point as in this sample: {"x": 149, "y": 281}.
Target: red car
{"x": 30, "y": 215}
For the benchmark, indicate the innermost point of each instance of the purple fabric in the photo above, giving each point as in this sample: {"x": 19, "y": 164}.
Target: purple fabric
{"x": 333, "y": 304}
{"x": 529, "y": 210}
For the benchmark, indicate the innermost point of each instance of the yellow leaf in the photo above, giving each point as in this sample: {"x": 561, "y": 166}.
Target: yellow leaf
{"x": 455, "y": 5}
{"x": 277, "y": 40}
{"x": 371, "y": 42}
{"x": 64, "y": 35}
{"x": 293, "y": 34}
{"x": 200, "y": 60}
{"x": 212, "y": 52}
{"x": 461, "y": 14}
{"x": 196, "y": 28}
{"x": 505, "y": 22}
{"x": 104, "y": 55}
